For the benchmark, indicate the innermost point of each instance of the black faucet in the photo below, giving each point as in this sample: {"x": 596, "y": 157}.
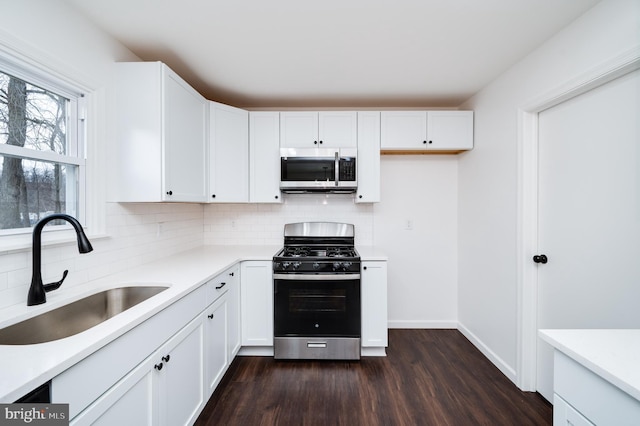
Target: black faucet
{"x": 37, "y": 290}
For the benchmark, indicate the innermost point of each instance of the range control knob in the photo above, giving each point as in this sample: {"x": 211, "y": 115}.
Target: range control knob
{"x": 285, "y": 265}
{"x": 336, "y": 265}
{"x": 296, "y": 265}
{"x": 346, "y": 266}
{"x": 315, "y": 265}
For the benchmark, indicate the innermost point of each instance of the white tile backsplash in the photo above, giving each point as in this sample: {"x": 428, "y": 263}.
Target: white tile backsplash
{"x": 137, "y": 234}
{"x": 263, "y": 224}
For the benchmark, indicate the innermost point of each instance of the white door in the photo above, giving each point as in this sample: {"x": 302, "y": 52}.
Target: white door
{"x": 589, "y": 214}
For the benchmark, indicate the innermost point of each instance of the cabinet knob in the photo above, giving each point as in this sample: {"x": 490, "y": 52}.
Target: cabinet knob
{"x": 430, "y": 142}
{"x": 169, "y": 192}
{"x": 359, "y": 196}
{"x": 364, "y": 267}
{"x": 315, "y": 142}
{"x": 276, "y": 197}
{"x": 424, "y": 142}
{"x": 166, "y": 358}
{"x": 210, "y": 316}
{"x": 213, "y": 196}
{"x": 232, "y": 273}
{"x": 158, "y": 366}
{"x": 320, "y": 142}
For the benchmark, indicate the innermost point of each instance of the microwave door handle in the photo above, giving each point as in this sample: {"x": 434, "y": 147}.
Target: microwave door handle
{"x": 337, "y": 168}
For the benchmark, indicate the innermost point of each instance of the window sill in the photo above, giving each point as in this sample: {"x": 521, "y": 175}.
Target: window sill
{"x": 23, "y": 242}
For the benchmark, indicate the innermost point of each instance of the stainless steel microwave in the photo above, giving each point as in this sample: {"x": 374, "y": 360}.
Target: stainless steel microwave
{"x": 305, "y": 170}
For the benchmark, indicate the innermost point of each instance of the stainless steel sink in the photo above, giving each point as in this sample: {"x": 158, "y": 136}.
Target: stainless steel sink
{"x": 77, "y": 316}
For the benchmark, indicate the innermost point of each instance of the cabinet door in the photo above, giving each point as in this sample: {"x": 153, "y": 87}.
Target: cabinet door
{"x": 374, "y": 304}
{"x": 338, "y": 129}
{"x": 233, "y": 314}
{"x": 256, "y": 294}
{"x": 403, "y": 130}
{"x": 299, "y": 129}
{"x": 449, "y": 130}
{"x": 181, "y": 378}
{"x": 264, "y": 157}
{"x": 215, "y": 351}
{"x": 228, "y": 154}
{"x": 185, "y": 115}
{"x": 368, "y": 163}
{"x": 133, "y": 400}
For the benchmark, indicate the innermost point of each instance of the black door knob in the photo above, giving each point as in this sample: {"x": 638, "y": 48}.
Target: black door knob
{"x": 540, "y": 258}
{"x": 158, "y": 366}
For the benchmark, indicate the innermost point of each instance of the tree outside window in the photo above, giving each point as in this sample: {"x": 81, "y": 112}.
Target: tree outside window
{"x": 35, "y": 179}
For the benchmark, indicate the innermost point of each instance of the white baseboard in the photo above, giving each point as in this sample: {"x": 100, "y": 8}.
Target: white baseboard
{"x": 373, "y": 351}
{"x": 422, "y": 324}
{"x": 495, "y": 359}
{"x": 256, "y": 351}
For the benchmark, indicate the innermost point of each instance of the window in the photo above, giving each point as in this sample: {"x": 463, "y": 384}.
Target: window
{"x": 41, "y": 154}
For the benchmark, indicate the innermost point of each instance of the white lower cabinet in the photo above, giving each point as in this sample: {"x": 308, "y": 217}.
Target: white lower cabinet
{"x": 374, "y": 303}
{"x": 215, "y": 346}
{"x": 582, "y": 397}
{"x": 233, "y": 313}
{"x": 180, "y": 374}
{"x": 256, "y": 293}
{"x": 165, "y": 389}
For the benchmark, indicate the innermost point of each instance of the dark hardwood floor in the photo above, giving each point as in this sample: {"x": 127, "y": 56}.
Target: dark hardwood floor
{"x": 430, "y": 377}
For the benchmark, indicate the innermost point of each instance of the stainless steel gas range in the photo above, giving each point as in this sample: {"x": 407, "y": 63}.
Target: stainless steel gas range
{"x": 317, "y": 312}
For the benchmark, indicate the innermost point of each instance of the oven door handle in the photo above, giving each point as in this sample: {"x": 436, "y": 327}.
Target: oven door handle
{"x": 316, "y": 277}
{"x": 337, "y": 168}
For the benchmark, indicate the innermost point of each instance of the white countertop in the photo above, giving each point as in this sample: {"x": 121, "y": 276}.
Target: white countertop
{"x": 371, "y": 253}
{"x": 24, "y": 367}
{"x": 614, "y": 355}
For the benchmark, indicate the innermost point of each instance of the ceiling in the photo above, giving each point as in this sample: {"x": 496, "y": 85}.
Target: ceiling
{"x": 334, "y": 53}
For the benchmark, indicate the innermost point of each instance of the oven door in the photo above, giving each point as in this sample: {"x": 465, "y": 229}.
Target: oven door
{"x": 316, "y": 316}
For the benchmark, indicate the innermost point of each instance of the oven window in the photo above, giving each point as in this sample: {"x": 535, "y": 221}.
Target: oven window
{"x": 304, "y": 300}
{"x": 307, "y": 169}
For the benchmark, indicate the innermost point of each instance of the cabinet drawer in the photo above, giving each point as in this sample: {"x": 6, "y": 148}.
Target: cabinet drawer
{"x": 595, "y": 398}
{"x": 565, "y": 415}
{"x": 219, "y": 285}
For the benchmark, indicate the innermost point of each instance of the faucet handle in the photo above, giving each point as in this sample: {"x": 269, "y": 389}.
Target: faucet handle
{"x": 56, "y": 285}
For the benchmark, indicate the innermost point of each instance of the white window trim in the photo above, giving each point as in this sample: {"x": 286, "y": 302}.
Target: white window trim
{"x": 27, "y": 62}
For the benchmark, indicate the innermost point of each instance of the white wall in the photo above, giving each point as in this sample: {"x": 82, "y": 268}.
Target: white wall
{"x": 488, "y": 175}
{"x": 52, "y": 34}
{"x": 422, "y": 269}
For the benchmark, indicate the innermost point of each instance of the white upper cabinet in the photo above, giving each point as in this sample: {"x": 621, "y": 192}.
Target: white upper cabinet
{"x": 264, "y": 157}
{"x": 426, "y": 130}
{"x": 324, "y": 129}
{"x": 160, "y": 145}
{"x": 368, "y": 162}
{"x": 228, "y": 154}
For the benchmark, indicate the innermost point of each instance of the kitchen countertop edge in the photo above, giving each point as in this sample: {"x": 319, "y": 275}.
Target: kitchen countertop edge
{"x": 610, "y": 353}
